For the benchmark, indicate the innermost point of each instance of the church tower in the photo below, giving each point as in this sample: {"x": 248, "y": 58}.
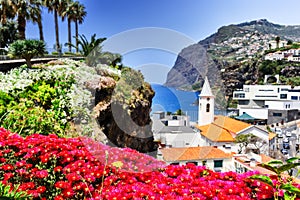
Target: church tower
{"x": 206, "y": 105}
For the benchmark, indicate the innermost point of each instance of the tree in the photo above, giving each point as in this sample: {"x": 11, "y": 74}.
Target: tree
{"x": 35, "y": 15}
{"x": 70, "y": 13}
{"x": 27, "y": 49}
{"x": 20, "y": 8}
{"x": 88, "y": 46}
{"x": 277, "y": 39}
{"x": 244, "y": 141}
{"x": 57, "y": 7}
{"x": 8, "y": 33}
{"x": 80, "y": 13}
{"x": 289, "y": 42}
{"x": 6, "y": 11}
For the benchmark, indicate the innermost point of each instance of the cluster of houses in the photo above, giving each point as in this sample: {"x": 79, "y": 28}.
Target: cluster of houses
{"x": 292, "y": 55}
{"x": 212, "y": 140}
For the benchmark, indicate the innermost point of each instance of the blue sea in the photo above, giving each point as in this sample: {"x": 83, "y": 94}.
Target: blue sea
{"x": 170, "y": 100}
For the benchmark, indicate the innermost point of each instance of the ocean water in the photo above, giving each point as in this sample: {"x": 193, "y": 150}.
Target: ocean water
{"x": 170, "y": 100}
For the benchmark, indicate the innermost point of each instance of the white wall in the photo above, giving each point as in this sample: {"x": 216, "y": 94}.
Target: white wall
{"x": 182, "y": 139}
{"x": 258, "y": 113}
{"x": 228, "y": 164}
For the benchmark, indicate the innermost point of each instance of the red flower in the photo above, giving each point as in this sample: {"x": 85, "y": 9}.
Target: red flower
{"x": 57, "y": 169}
{"x": 41, "y": 189}
{"x": 62, "y": 184}
{"x": 58, "y": 197}
{"x": 44, "y": 158}
{"x": 68, "y": 192}
{"x": 21, "y": 163}
{"x": 8, "y": 176}
{"x": 73, "y": 177}
{"x": 7, "y": 167}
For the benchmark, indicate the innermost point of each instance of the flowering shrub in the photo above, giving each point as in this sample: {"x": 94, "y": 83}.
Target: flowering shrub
{"x": 45, "y": 100}
{"x": 48, "y": 167}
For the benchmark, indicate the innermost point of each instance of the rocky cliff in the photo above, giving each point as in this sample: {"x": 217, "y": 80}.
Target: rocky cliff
{"x": 230, "y": 57}
{"x": 122, "y": 108}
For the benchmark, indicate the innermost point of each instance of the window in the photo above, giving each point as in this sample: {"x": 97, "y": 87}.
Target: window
{"x": 277, "y": 114}
{"x": 266, "y": 90}
{"x": 207, "y": 107}
{"x": 218, "y": 163}
{"x": 195, "y": 163}
{"x": 294, "y": 97}
{"x": 204, "y": 162}
{"x": 175, "y": 163}
{"x": 283, "y": 96}
{"x": 239, "y": 95}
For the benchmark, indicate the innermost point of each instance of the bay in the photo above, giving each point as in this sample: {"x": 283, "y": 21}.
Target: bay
{"x": 170, "y": 100}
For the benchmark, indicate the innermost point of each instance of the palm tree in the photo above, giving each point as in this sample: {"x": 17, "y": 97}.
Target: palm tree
{"x": 35, "y": 14}
{"x": 70, "y": 13}
{"x": 80, "y": 15}
{"x": 6, "y": 11}
{"x": 88, "y": 46}
{"x": 20, "y": 7}
{"x": 57, "y": 7}
{"x": 277, "y": 39}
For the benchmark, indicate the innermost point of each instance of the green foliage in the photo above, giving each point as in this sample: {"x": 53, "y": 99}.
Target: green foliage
{"x": 283, "y": 183}
{"x": 295, "y": 81}
{"x": 130, "y": 80}
{"x": 86, "y": 47}
{"x": 269, "y": 67}
{"x": 27, "y": 49}
{"x": 8, "y": 193}
{"x": 8, "y": 33}
{"x": 38, "y": 109}
{"x": 55, "y": 53}
{"x": 196, "y": 86}
{"x": 179, "y": 112}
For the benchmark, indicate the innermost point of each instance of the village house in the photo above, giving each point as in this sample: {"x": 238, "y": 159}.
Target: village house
{"x": 220, "y": 131}
{"x": 270, "y": 103}
{"x": 211, "y": 157}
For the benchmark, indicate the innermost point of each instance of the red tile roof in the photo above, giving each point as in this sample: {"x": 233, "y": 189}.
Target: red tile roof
{"x": 223, "y": 129}
{"x": 193, "y": 153}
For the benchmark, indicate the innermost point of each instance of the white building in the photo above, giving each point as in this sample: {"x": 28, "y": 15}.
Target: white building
{"x": 178, "y": 136}
{"x": 211, "y": 157}
{"x": 206, "y": 105}
{"x": 174, "y": 131}
{"x": 272, "y": 103}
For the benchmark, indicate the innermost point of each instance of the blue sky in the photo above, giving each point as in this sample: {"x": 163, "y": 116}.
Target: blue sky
{"x": 190, "y": 20}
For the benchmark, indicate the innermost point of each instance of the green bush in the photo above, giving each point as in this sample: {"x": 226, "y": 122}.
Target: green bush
{"x": 27, "y": 49}
{"x": 8, "y": 193}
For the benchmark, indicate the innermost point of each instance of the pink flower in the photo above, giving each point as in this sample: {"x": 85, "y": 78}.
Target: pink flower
{"x": 41, "y": 174}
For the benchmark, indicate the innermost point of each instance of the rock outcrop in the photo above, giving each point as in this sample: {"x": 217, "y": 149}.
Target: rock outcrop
{"x": 229, "y": 57}
{"x": 125, "y": 121}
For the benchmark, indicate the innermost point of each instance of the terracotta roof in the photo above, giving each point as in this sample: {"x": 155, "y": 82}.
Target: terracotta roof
{"x": 193, "y": 153}
{"x": 230, "y": 124}
{"x": 223, "y": 129}
{"x": 216, "y": 133}
{"x": 265, "y": 158}
{"x": 256, "y": 167}
{"x": 271, "y": 135}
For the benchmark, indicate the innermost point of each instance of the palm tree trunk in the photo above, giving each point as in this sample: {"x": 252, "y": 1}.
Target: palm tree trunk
{"x": 76, "y": 35}
{"x": 69, "y": 35}
{"x": 40, "y": 24}
{"x": 3, "y": 16}
{"x": 21, "y": 27}
{"x": 56, "y": 32}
